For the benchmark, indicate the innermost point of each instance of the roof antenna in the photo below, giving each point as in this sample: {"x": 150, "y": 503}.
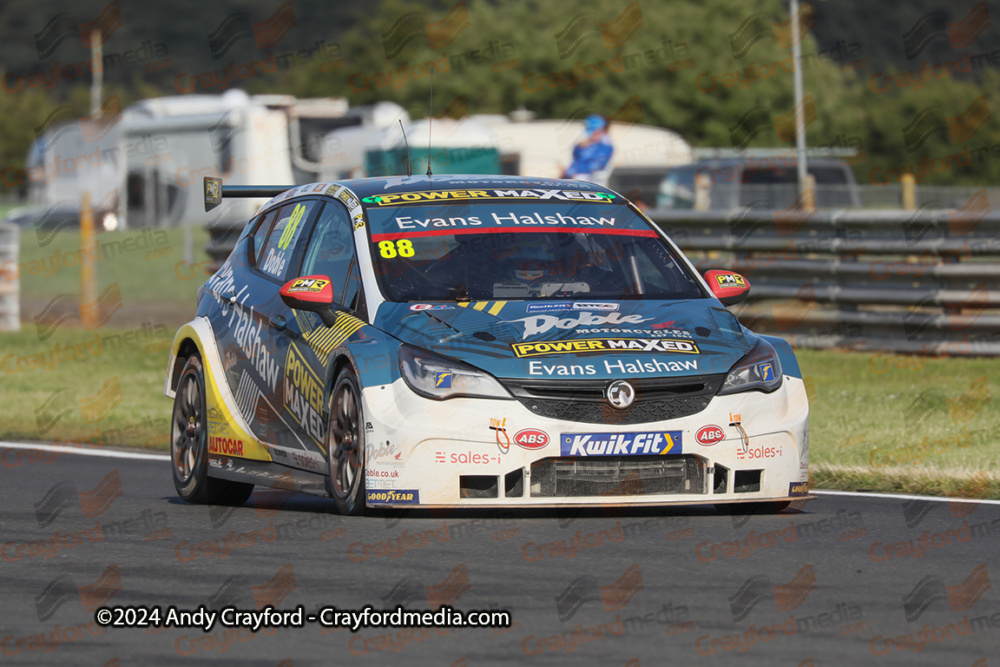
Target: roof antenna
{"x": 407, "y": 144}
{"x": 430, "y": 119}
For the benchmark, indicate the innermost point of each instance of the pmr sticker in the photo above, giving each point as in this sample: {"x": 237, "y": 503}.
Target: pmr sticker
{"x": 731, "y": 280}
{"x": 308, "y": 285}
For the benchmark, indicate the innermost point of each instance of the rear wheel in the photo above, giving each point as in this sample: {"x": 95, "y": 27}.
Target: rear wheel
{"x": 189, "y": 445}
{"x": 345, "y": 445}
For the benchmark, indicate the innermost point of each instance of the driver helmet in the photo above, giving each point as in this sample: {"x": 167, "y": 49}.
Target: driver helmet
{"x": 530, "y": 261}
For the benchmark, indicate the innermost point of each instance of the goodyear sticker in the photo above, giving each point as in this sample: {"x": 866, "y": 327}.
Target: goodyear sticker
{"x": 798, "y": 489}
{"x": 393, "y": 497}
{"x": 442, "y": 379}
{"x": 766, "y": 372}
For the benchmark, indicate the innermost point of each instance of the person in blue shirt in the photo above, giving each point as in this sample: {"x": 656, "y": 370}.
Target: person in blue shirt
{"x": 593, "y": 153}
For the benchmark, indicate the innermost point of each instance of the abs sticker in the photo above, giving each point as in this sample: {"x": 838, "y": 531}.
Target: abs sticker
{"x": 647, "y": 443}
{"x": 709, "y": 435}
{"x": 393, "y": 497}
{"x": 531, "y": 438}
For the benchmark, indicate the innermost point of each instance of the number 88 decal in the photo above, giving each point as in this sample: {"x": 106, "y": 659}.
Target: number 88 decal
{"x": 401, "y": 248}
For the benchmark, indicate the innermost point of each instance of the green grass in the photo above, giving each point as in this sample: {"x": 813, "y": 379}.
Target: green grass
{"x": 103, "y": 387}
{"x": 902, "y": 423}
{"x": 147, "y": 266}
{"x": 59, "y": 381}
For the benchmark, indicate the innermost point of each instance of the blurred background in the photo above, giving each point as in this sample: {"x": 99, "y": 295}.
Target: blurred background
{"x": 843, "y": 156}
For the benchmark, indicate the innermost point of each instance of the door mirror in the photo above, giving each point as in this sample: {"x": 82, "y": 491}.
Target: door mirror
{"x": 313, "y": 294}
{"x": 728, "y": 287}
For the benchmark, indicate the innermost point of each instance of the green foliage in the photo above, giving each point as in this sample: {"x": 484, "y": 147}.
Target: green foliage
{"x": 678, "y": 63}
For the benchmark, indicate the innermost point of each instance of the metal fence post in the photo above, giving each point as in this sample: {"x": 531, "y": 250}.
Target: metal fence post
{"x": 10, "y": 286}
{"x": 909, "y": 192}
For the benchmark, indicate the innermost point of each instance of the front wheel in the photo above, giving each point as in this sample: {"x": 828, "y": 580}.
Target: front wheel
{"x": 345, "y": 446}
{"x": 189, "y": 445}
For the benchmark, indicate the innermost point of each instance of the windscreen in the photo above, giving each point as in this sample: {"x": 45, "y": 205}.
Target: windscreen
{"x": 516, "y": 250}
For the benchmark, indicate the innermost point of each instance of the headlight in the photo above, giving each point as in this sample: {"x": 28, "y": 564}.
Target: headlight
{"x": 437, "y": 377}
{"x": 758, "y": 369}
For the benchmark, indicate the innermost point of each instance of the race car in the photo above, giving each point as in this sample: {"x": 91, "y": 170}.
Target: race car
{"x": 474, "y": 341}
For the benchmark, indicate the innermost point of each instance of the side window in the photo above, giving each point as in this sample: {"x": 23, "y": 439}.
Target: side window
{"x": 281, "y": 242}
{"x": 331, "y": 252}
{"x": 259, "y": 234}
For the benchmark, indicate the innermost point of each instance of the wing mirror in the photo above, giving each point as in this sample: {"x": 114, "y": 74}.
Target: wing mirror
{"x": 313, "y": 294}
{"x": 728, "y": 287}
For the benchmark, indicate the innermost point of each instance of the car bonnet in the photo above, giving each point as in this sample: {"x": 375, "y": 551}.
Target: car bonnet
{"x": 575, "y": 338}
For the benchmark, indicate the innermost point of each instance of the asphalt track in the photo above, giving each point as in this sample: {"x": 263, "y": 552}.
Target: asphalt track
{"x": 845, "y": 579}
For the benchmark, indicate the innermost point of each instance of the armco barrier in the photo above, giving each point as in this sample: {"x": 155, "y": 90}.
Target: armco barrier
{"x": 924, "y": 282}
{"x": 10, "y": 293}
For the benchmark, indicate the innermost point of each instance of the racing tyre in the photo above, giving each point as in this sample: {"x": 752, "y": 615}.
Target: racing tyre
{"x": 345, "y": 446}
{"x": 189, "y": 445}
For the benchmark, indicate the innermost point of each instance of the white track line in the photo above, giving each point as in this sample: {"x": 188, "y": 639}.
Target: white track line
{"x": 902, "y": 496}
{"x": 88, "y": 451}
{"x": 116, "y": 454}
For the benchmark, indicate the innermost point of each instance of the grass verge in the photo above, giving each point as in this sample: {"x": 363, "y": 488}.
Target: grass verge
{"x": 102, "y": 387}
{"x": 903, "y": 424}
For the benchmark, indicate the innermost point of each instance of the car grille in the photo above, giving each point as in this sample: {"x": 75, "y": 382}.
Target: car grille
{"x": 583, "y": 401}
{"x": 563, "y": 477}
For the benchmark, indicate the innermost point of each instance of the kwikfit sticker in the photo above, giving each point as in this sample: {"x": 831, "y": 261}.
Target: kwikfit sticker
{"x": 645, "y": 443}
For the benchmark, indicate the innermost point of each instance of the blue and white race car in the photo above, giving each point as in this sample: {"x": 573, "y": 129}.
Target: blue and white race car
{"x": 452, "y": 341}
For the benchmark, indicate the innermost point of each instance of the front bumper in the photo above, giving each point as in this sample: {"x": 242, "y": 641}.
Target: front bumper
{"x": 466, "y": 452}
